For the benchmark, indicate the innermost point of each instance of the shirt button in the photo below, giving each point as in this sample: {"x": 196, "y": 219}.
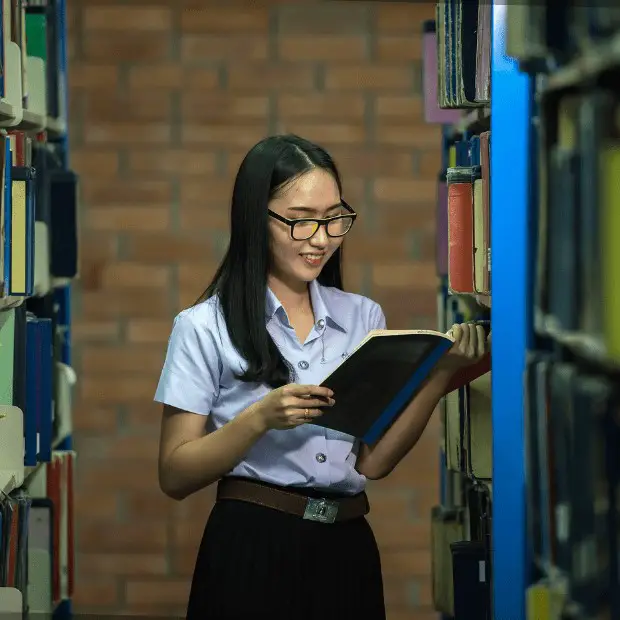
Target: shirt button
{"x": 303, "y": 365}
{"x": 320, "y": 324}
{"x": 320, "y": 457}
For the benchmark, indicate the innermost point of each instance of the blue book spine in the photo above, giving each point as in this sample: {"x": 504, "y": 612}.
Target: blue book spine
{"x": 406, "y": 393}
{"x": 46, "y": 369}
{"x": 32, "y": 393}
{"x": 39, "y": 404}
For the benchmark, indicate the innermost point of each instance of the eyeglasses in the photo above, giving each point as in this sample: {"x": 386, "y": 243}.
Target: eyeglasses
{"x": 305, "y": 228}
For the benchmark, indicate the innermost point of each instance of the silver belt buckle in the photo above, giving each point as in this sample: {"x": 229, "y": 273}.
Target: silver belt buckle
{"x": 322, "y": 510}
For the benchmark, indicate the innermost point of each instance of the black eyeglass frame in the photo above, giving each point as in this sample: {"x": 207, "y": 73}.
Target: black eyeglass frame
{"x": 319, "y": 221}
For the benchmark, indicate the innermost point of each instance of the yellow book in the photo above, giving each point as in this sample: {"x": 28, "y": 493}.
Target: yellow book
{"x": 610, "y": 242}
{"x": 19, "y": 233}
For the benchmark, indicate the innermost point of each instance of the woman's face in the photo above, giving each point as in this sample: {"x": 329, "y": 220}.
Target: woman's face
{"x": 314, "y": 194}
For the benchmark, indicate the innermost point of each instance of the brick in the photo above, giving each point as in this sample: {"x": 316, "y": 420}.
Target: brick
{"x": 182, "y": 562}
{"x": 141, "y": 303}
{"x": 429, "y": 163}
{"x": 122, "y": 275}
{"x": 127, "y": 18}
{"x": 215, "y": 134}
{"x": 101, "y": 420}
{"x": 289, "y": 77}
{"x": 340, "y": 18}
{"x": 127, "y": 47}
{"x": 148, "y": 536}
{"x": 143, "y": 106}
{"x": 137, "y": 417}
{"x": 122, "y": 564}
{"x": 417, "y": 302}
{"x": 167, "y": 247}
{"x": 96, "y": 193}
{"x": 223, "y": 107}
{"x": 147, "y": 331}
{"x": 138, "y": 503}
{"x": 95, "y": 331}
{"x": 330, "y": 48}
{"x": 116, "y": 360}
{"x": 157, "y": 592}
{"x": 398, "y": 49}
{"x": 201, "y": 48}
{"x": 166, "y": 76}
{"x": 209, "y": 191}
{"x": 117, "y": 389}
{"x": 422, "y": 136}
{"x": 141, "y": 447}
{"x": 99, "y": 247}
{"x": 416, "y": 216}
{"x": 125, "y": 133}
{"x": 178, "y": 162}
{"x": 396, "y": 77}
{"x": 335, "y": 133}
{"x": 412, "y": 562}
{"x": 226, "y": 20}
{"x": 118, "y": 476}
{"x": 88, "y": 163}
{"x": 102, "y": 591}
{"x": 403, "y": 18}
{"x": 398, "y": 533}
{"x": 409, "y": 109}
{"x": 98, "y": 504}
{"x": 405, "y": 190}
{"x": 119, "y": 219}
{"x": 372, "y": 161}
{"x": 322, "y": 107}
{"x": 382, "y": 248}
{"x": 196, "y": 277}
{"x": 90, "y": 76}
{"x": 414, "y": 275}
{"x": 197, "y": 219}
{"x": 353, "y": 275}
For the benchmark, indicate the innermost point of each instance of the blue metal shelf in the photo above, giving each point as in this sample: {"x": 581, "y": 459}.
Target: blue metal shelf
{"x": 510, "y": 173}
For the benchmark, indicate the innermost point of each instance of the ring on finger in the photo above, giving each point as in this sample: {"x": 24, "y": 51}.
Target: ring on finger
{"x": 307, "y": 414}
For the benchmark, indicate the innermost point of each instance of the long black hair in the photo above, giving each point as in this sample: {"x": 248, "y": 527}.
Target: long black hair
{"x": 240, "y": 281}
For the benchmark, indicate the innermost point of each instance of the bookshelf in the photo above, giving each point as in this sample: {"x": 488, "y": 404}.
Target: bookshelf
{"x": 457, "y": 96}
{"x": 38, "y": 262}
{"x": 570, "y": 289}
{"x": 554, "y": 118}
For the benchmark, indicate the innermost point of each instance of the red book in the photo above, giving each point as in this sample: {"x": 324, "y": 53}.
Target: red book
{"x": 460, "y": 230}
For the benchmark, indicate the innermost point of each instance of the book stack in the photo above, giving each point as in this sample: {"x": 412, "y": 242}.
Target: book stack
{"x": 38, "y": 261}
{"x": 457, "y": 79}
{"x": 572, "y": 371}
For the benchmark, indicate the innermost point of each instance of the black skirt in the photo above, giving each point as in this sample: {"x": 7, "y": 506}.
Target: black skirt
{"x": 256, "y": 562}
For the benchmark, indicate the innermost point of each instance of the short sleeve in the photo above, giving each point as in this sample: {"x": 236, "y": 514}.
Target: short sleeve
{"x": 190, "y": 377}
{"x": 376, "y": 319}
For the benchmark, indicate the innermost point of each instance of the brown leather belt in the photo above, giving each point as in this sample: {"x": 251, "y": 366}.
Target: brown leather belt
{"x": 323, "y": 510}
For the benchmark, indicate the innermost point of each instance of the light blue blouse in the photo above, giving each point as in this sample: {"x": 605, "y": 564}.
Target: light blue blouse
{"x": 198, "y": 376}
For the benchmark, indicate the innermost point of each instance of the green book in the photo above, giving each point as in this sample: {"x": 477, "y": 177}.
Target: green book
{"x": 36, "y": 35}
{"x": 7, "y": 340}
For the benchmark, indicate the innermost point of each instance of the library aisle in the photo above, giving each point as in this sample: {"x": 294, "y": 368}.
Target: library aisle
{"x": 523, "y": 101}
{"x": 38, "y": 261}
{"x": 527, "y": 526}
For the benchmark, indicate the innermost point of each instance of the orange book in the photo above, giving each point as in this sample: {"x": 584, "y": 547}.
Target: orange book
{"x": 461, "y": 229}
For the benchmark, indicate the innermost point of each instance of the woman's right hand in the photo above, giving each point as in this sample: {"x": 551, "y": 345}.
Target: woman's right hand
{"x": 292, "y": 405}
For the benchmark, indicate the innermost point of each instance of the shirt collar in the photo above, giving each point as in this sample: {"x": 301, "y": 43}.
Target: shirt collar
{"x": 323, "y": 307}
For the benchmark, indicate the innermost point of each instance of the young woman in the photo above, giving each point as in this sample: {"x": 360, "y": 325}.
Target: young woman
{"x": 240, "y": 392}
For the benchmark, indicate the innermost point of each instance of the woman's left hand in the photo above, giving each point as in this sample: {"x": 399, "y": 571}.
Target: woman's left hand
{"x": 470, "y": 345}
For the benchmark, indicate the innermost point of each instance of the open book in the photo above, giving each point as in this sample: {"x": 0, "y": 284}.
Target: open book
{"x": 380, "y": 377}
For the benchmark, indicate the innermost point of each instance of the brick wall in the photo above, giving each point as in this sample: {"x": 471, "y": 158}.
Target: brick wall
{"x": 165, "y": 99}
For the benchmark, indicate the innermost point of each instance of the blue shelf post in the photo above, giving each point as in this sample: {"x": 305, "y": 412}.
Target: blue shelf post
{"x": 510, "y": 156}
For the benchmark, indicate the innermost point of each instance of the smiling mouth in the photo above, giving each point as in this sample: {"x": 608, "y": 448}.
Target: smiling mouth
{"x": 312, "y": 259}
